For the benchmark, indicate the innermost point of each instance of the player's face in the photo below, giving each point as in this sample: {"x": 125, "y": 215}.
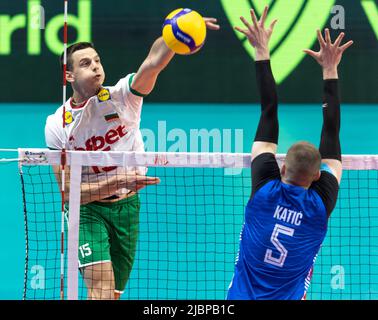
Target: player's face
{"x": 87, "y": 72}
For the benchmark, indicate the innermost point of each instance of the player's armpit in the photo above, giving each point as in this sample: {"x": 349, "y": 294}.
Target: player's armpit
{"x": 327, "y": 187}
{"x": 264, "y": 168}
{"x": 335, "y": 166}
{"x": 259, "y": 147}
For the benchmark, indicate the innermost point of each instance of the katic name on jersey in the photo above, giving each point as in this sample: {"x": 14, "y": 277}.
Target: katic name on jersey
{"x": 287, "y": 215}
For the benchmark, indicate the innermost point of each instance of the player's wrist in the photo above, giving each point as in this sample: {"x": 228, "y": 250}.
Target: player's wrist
{"x": 330, "y": 73}
{"x": 262, "y": 54}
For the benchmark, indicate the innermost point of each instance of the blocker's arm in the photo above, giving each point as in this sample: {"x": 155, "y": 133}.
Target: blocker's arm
{"x": 329, "y": 57}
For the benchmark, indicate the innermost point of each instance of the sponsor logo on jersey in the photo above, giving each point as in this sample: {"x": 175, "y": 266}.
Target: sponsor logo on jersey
{"x": 103, "y": 143}
{"x": 103, "y": 95}
{"x": 111, "y": 117}
{"x": 68, "y": 117}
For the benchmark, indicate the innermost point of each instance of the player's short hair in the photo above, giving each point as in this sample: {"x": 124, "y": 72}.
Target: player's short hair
{"x": 73, "y": 48}
{"x": 303, "y": 160}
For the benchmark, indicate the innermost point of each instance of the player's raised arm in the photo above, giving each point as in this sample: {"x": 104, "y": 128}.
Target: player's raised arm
{"x": 329, "y": 57}
{"x": 258, "y": 35}
{"x": 158, "y": 58}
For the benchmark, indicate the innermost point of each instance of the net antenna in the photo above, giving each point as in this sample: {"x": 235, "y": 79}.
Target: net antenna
{"x": 63, "y": 154}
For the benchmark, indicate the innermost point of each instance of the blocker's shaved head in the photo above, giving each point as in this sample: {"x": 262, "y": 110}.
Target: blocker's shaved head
{"x": 302, "y": 161}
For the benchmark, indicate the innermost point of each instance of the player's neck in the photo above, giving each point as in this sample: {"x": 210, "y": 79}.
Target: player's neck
{"x": 303, "y": 184}
{"x": 80, "y": 96}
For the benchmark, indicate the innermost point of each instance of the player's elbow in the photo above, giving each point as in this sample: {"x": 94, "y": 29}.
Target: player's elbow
{"x": 153, "y": 65}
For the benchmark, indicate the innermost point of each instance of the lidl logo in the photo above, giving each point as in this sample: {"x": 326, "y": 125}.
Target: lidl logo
{"x": 68, "y": 117}
{"x": 103, "y": 95}
{"x": 296, "y": 28}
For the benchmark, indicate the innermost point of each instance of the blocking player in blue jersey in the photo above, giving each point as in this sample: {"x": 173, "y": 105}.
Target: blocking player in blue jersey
{"x": 287, "y": 214}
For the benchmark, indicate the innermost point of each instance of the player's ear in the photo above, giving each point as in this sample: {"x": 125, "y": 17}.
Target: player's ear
{"x": 70, "y": 76}
{"x": 317, "y": 176}
{"x": 283, "y": 170}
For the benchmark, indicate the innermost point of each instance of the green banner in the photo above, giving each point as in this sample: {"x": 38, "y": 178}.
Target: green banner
{"x": 31, "y": 34}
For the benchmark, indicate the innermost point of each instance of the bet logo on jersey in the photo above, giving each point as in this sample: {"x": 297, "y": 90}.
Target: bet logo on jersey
{"x": 103, "y": 95}
{"x": 68, "y": 117}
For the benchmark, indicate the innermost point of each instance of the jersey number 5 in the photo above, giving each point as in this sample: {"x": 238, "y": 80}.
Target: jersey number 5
{"x": 279, "y": 262}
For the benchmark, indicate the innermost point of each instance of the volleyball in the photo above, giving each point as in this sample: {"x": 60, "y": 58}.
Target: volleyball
{"x": 184, "y": 31}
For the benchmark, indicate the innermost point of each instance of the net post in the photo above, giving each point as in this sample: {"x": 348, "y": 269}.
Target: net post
{"x": 65, "y": 28}
{"x": 73, "y": 227}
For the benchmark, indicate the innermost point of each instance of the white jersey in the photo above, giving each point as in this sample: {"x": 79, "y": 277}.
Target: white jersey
{"x": 108, "y": 121}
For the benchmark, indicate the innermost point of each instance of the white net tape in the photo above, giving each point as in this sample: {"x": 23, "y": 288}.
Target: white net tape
{"x": 170, "y": 159}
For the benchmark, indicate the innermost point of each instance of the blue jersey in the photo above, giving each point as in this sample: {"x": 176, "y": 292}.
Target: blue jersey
{"x": 284, "y": 228}
{"x": 284, "y": 225}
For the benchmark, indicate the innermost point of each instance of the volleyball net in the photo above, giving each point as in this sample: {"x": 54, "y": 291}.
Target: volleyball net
{"x": 189, "y": 225}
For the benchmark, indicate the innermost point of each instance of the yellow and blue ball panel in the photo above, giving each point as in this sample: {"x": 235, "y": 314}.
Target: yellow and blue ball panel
{"x": 184, "y": 31}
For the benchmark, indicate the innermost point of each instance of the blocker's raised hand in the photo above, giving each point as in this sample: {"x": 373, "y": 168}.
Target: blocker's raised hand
{"x": 330, "y": 54}
{"x": 257, "y": 34}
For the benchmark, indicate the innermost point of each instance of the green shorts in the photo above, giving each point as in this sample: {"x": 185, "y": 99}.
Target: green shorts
{"x": 109, "y": 233}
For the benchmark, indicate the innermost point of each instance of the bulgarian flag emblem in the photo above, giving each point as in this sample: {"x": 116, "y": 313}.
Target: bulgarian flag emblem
{"x": 111, "y": 117}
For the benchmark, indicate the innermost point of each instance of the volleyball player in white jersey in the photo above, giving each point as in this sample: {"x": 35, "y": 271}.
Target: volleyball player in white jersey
{"x": 107, "y": 118}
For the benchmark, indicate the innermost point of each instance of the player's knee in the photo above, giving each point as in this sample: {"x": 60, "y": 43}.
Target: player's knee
{"x": 99, "y": 280}
{"x": 101, "y": 290}
{"x": 101, "y": 294}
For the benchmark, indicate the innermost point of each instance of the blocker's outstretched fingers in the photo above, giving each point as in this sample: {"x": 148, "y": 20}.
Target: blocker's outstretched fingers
{"x": 243, "y": 31}
{"x": 346, "y": 46}
{"x": 311, "y": 53}
{"x": 247, "y": 24}
{"x": 254, "y": 18}
{"x": 263, "y": 17}
{"x": 320, "y": 39}
{"x": 339, "y": 39}
{"x": 328, "y": 37}
{"x": 272, "y": 25}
